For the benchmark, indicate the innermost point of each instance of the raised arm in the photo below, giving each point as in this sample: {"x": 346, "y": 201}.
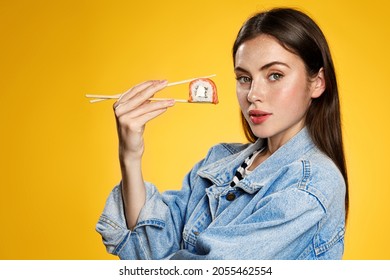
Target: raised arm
{"x": 132, "y": 111}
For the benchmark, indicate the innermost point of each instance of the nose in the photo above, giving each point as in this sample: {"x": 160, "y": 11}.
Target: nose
{"x": 256, "y": 93}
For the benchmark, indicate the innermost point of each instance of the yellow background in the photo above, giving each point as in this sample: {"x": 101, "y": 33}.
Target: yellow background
{"x": 58, "y": 153}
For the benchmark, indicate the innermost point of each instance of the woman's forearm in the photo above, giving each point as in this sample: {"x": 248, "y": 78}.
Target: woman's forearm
{"x": 133, "y": 190}
{"x": 132, "y": 111}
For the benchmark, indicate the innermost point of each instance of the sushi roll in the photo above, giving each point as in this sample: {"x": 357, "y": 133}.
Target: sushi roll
{"x": 203, "y": 90}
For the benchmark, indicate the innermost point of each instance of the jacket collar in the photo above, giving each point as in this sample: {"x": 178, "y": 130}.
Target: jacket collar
{"x": 221, "y": 172}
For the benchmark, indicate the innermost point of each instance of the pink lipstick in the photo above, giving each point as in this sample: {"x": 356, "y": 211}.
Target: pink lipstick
{"x": 258, "y": 117}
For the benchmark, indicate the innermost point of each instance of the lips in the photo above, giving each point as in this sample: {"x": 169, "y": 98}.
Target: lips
{"x": 258, "y": 117}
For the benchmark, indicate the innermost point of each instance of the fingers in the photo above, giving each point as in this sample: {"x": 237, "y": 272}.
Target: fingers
{"x": 131, "y": 125}
{"x": 147, "y": 107}
{"x": 137, "y": 95}
{"x": 134, "y": 126}
{"x": 144, "y": 118}
{"x": 134, "y": 90}
{"x": 133, "y": 110}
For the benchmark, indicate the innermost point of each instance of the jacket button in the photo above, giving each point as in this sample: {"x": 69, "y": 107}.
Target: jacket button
{"x": 230, "y": 196}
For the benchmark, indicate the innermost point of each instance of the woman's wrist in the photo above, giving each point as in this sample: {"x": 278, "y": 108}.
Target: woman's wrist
{"x": 129, "y": 158}
{"x": 130, "y": 166}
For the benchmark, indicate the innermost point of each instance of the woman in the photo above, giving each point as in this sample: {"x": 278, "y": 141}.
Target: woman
{"x": 282, "y": 196}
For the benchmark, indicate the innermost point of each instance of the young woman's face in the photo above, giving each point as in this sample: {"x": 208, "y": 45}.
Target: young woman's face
{"x": 273, "y": 88}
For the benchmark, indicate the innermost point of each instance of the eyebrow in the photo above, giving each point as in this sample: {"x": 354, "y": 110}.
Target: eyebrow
{"x": 268, "y": 65}
{"x": 264, "y": 67}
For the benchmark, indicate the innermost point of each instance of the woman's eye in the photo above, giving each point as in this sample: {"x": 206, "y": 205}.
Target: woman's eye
{"x": 275, "y": 76}
{"x": 244, "y": 80}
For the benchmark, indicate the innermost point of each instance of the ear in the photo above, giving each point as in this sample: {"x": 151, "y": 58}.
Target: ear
{"x": 318, "y": 84}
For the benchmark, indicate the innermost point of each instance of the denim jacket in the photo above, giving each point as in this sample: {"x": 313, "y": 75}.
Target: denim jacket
{"x": 289, "y": 207}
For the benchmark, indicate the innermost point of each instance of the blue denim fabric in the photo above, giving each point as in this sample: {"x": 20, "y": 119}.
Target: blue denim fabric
{"x": 290, "y": 207}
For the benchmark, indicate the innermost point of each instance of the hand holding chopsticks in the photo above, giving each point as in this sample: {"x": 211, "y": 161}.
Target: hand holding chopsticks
{"x": 100, "y": 97}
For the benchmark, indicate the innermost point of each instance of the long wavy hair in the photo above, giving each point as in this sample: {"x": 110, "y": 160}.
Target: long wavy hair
{"x": 299, "y": 34}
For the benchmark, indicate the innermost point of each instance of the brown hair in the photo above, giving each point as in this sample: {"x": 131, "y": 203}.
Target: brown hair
{"x": 299, "y": 34}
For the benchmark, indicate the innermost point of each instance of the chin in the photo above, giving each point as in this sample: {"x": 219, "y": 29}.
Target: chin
{"x": 262, "y": 133}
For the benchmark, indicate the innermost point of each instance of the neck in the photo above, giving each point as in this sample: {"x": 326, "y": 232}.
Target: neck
{"x": 276, "y": 141}
{"x": 272, "y": 145}
{"x": 261, "y": 157}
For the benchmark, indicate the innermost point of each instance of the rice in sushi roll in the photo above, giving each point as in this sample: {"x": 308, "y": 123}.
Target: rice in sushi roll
{"x": 203, "y": 90}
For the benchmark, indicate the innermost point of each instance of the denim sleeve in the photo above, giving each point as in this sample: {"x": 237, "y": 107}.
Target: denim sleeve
{"x": 283, "y": 226}
{"x": 157, "y": 232}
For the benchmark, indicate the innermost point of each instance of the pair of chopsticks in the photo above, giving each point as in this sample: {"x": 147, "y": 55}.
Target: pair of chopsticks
{"x": 100, "y": 97}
